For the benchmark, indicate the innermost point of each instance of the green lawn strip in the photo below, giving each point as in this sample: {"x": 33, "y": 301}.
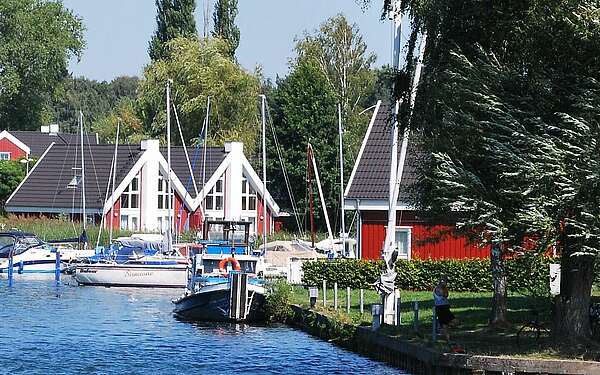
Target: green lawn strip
{"x": 472, "y": 310}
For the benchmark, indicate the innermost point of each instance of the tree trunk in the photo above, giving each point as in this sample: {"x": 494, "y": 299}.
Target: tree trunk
{"x": 570, "y": 318}
{"x": 498, "y": 317}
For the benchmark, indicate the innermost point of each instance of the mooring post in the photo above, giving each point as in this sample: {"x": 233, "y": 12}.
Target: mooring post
{"x": 398, "y": 310}
{"x": 335, "y": 295}
{"x": 434, "y": 326}
{"x": 347, "y": 300}
{"x": 21, "y": 267}
{"x": 324, "y": 293}
{"x": 376, "y": 311}
{"x": 362, "y": 301}
{"x": 10, "y": 270}
{"x": 57, "y": 267}
{"x": 416, "y": 316}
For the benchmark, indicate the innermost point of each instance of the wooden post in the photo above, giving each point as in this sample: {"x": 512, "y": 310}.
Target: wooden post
{"x": 348, "y": 300}
{"x": 397, "y": 305}
{"x": 416, "y": 316}
{"x": 335, "y": 295}
{"x": 362, "y": 301}
{"x": 324, "y": 293}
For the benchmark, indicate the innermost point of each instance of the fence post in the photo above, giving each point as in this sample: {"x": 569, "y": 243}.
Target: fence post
{"x": 434, "y": 326}
{"x": 376, "y": 311}
{"x": 324, "y": 293}
{"x": 416, "y": 316}
{"x": 335, "y": 295}
{"x": 398, "y": 310}
{"x": 348, "y": 300}
{"x": 362, "y": 301}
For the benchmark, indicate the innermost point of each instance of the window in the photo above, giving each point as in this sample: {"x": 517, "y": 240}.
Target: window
{"x": 4, "y": 155}
{"x": 403, "y": 239}
{"x": 162, "y": 194}
{"x": 248, "y": 196}
{"x": 214, "y": 199}
{"x": 131, "y": 195}
{"x": 124, "y": 222}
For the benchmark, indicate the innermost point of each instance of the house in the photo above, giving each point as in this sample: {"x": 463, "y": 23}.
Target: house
{"x": 224, "y": 187}
{"x": 23, "y": 144}
{"x": 368, "y": 193}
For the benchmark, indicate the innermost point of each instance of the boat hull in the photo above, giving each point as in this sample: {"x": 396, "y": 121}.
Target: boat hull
{"x": 35, "y": 261}
{"x": 147, "y": 276}
{"x": 212, "y": 303}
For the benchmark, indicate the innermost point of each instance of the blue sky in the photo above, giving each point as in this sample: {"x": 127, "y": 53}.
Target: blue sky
{"x": 118, "y": 32}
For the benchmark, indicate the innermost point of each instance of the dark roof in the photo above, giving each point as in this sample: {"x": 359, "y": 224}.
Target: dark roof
{"x": 46, "y": 187}
{"x": 372, "y": 177}
{"x": 38, "y": 142}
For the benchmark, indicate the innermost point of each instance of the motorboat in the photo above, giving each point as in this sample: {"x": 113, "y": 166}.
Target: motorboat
{"x": 225, "y": 280}
{"x": 28, "y": 254}
{"x": 133, "y": 262}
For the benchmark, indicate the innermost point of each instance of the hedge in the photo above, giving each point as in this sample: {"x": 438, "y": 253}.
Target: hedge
{"x": 527, "y": 274}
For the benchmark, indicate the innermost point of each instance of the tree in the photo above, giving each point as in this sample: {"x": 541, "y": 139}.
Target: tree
{"x": 225, "y": 27}
{"x": 125, "y": 114}
{"x": 11, "y": 175}
{"x": 200, "y": 69}
{"x": 175, "y": 18}
{"x": 36, "y": 42}
{"x": 304, "y": 111}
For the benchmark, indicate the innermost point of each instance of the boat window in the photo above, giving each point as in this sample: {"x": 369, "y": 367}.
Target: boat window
{"x": 6, "y": 245}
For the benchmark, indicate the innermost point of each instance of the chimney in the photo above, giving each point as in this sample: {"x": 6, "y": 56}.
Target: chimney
{"x": 150, "y": 144}
{"x": 45, "y": 129}
{"x": 53, "y": 129}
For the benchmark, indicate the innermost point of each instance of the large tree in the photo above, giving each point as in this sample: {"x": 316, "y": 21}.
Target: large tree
{"x": 201, "y": 68}
{"x": 175, "y": 18}
{"x": 37, "y": 39}
{"x": 225, "y": 27}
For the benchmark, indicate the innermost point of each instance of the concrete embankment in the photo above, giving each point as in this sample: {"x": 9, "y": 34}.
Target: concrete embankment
{"x": 418, "y": 359}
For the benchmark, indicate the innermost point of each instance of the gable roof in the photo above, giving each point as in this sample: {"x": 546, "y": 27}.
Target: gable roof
{"x": 38, "y": 142}
{"x": 370, "y": 177}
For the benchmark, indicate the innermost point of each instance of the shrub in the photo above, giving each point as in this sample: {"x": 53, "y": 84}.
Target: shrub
{"x": 277, "y": 303}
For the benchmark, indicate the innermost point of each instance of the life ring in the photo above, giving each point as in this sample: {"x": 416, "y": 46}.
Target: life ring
{"x": 234, "y": 263}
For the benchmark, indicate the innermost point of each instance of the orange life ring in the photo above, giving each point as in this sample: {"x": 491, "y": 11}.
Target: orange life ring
{"x": 234, "y": 263}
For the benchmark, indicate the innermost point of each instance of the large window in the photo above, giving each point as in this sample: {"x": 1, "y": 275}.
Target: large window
{"x": 163, "y": 202}
{"x": 248, "y": 196}
{"x": 4, "y": 155}
{"x": 131, "y": 196}
{"x": 214, "y": 199}
{"x": 403, "y": 241}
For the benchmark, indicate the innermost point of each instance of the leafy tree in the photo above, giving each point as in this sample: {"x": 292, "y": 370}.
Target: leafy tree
{"x": 225, "y": 27}
{"x": 200, "y": 69}
{"x": 11, "y": 175}
{"x": 303, "y": 111}
{"x": 175, "y": 18}
{"x": 37, "y": 39}
{"x": 125, "y": 114}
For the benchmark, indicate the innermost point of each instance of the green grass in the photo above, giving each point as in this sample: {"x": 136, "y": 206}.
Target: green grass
{"x": 473, "y": 332}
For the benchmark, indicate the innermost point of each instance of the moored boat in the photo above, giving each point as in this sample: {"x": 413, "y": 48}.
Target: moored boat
{"x": 29, "y": 254}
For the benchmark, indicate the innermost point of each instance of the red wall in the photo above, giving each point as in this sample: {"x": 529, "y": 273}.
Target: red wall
{"x": 15, "y": 152}
{"x": 259, "y": 213}
{"x": 116, "y": 218}
{"x": 428, "y": 241}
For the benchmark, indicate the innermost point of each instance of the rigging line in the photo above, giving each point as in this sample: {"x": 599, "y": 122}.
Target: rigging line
{"x": 284, "y": 170}
{"x": 86, "y": 137}
{"x": 61, "y": 173}
{"x": 112, "y": 167}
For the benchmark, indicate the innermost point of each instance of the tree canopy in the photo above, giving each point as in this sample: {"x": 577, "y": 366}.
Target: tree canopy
{"x": 225, "y": 28}
{"x": 174, "y": 18}
{"x": 36, "y": 42}
{"x": 11, "y": 175}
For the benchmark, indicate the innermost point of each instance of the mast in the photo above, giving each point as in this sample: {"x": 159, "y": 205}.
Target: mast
{"x": 207, "y": 122}
{"x": 114, "y": 176}
{"x": 322, "y": 197}
{"x": 169, "y": 196}
{"x": 84, "y": 214}
{"x": 341, "y": 131}
{"x": 310, "y": 195}
{"x": 264, "y": 174}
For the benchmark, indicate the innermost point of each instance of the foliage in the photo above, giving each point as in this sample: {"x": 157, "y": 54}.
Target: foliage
{"x": 528, "y": 274}
{"x": 125, "y": 114}
{"x": 225, "y": 28}
{"x": 303, "y": 111}
{"x": 277, "y": 301}
{"x": 174, "y": 19}
{"x": 200, "y": 69}
{"x": 37, "y": 39}
{"x": 11, "y": 175}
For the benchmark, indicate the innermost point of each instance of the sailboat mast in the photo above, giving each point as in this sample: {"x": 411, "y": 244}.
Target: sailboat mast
{"x": 83, "y": 215}
{"x": 207, "y": 122}
{"x": 169, "y": 196}
{"x": 341, "y": 131}
{"x": 264, "y": 174}
{"x": 322, "y": 197}
{"x": 310, "y": 195}
{"x": 114, "y": 179}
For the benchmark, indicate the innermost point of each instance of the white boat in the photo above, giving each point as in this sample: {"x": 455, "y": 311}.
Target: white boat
{"x": 132, "y": 275}
{"x": 29, "y": 254}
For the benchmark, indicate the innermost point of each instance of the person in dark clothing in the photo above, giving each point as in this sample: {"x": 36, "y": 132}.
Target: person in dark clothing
{"x": 442, "y": 306}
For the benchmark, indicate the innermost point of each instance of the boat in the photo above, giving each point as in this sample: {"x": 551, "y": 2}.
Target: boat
{"x": 28, "y": 254}
{"x": 225, "y": 280}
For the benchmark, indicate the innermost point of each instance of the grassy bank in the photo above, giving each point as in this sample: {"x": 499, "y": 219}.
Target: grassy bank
{"x": 473, "y": 333}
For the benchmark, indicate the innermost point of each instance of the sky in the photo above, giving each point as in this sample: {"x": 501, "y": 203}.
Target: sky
{"x": 118, "y": 32}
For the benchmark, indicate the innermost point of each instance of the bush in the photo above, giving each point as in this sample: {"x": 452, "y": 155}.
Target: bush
{"x": 527, "y": 274}
{"x": 277, "y": 303}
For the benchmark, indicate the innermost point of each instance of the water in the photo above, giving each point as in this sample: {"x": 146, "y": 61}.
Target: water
{"x": 46, "y": 329}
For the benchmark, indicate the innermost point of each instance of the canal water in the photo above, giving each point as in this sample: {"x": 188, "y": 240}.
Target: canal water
{"x": 45, "y": 329}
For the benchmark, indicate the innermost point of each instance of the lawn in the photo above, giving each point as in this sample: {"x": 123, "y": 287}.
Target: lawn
{"x": 471, "y": 309}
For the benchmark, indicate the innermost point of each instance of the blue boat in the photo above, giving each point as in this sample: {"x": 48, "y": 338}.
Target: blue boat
{"x": 224, "y": 281}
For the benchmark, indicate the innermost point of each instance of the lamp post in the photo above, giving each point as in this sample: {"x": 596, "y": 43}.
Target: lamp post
{"x": 26, "y": 160}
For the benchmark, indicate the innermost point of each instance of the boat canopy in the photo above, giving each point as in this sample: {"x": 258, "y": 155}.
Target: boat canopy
{"x": 16, "y": 243}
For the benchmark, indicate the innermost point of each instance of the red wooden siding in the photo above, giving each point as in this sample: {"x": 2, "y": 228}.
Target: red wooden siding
{"x": 116, "y": 216}
{"x": 259, "y": 212}
{"x": 428, "y": 240}
{"x": 15, "y": 152}
{"x": 180, "y": 214}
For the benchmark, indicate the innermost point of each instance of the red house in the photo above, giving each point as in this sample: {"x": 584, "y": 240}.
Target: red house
{"x": 368, "y": 193}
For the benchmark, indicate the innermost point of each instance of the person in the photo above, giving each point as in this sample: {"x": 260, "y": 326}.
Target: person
{"x": 442, "y": 306}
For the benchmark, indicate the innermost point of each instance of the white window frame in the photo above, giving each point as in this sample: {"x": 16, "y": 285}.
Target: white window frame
{"x": 407, "y": 229}
{"x": 5, "y": 155}
{"x": 212, "y": 196}
{"x": 129, "y": 192}
{"x": 162, "y": 194}
{"x": 247, "y": 195}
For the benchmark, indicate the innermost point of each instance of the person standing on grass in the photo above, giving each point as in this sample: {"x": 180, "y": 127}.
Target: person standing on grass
{"x": 442, "y": 306}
